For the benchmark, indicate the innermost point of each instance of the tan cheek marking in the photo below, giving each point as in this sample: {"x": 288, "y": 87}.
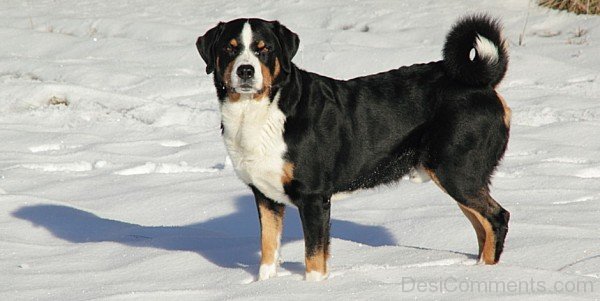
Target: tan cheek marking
{"x": 288, "y": 173}
{"x": 271, "y": 224}
{"x": 227, "y": 74}
{"x": 317, "y": 262}
{"x": 267, "y": 81}
{"x": 233, "y": 97}
{"x": 277, "y": 68}
{"x": 507, "y": 111}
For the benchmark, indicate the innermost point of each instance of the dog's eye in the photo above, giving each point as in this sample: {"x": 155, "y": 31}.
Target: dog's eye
{"x": 229, "y": 49}
{"x": 263, "y": 50}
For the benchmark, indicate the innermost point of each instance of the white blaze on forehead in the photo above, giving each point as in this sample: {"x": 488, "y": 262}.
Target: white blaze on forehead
{"x": 247, "y": 35}
{"x": 247, "y": 57}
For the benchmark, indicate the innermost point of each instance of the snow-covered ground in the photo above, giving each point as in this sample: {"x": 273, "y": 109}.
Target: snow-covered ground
{"x": 114, "y": 182}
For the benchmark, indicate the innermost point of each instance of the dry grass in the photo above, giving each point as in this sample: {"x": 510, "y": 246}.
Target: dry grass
{"x": 590, "y": 7}
{"x": 56, "y": 101}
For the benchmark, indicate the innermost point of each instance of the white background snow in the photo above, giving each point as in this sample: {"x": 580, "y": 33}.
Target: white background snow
{"x": 125, "y": 192}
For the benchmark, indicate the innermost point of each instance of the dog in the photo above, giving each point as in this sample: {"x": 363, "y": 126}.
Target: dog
{"x": 299, "y": 138}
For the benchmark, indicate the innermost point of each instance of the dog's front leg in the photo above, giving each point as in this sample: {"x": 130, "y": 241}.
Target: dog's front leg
{"x": 270, "y": 215}
{"x": 315, "y": 214}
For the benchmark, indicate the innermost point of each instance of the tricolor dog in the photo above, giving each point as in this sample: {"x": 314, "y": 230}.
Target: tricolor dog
{"x": 298, "y": 138}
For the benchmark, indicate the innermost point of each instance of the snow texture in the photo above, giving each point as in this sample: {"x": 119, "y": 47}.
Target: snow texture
{"x": 115, "y": 184}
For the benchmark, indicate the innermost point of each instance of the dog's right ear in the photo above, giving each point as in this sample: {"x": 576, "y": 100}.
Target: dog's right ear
{"x": 206, "y": 46}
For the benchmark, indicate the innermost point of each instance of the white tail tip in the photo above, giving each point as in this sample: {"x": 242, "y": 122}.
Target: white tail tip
{"x": 486, "y": 49}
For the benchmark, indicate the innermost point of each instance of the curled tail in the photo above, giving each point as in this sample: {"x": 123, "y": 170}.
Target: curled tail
{"x": 481, "y": 34}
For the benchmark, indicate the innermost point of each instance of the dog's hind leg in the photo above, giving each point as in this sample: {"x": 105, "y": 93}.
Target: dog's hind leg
{"x": 466, "y": 144}
{"x": 488, "y": 218}
{"x": 270, "y": 215}
{"x": 491, "y": 225}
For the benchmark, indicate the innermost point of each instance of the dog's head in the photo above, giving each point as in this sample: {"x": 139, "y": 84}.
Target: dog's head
{"x": 248, "y": 56}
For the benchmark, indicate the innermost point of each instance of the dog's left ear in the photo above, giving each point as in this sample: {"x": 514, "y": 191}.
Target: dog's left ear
{"x": 288, "y": 42}
{"x": 206, "y": 46}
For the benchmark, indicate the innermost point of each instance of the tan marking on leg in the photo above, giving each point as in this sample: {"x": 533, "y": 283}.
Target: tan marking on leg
{"x": 271, "y": 225}
{"x": 317, "y": 262}
{"x": 479, "y": 230}
{"x": 288, "y": 173}
{"x": 485, "y": 231}
{"x": 507, "y": 111}
{"x": 486, "y": 237}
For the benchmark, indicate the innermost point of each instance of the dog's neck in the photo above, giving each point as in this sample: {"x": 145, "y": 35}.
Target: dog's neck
{"x": 290, "y": 89}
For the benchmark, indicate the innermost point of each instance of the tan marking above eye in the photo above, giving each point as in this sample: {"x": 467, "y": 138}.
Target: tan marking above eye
{"x": 261, "y": 47}
{"x": 233, "y": 43}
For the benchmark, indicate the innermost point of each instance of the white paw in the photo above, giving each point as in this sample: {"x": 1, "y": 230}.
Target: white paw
{"x": 267, "y": 271}
{"x": 418, "y": 175}
{"x": 316, "y": 276}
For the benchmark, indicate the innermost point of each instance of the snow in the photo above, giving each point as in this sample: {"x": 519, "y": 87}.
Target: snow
{"x": 115, "y": 185}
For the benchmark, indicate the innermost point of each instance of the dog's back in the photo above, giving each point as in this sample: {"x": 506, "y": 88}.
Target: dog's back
{"x": 382, "y": 123}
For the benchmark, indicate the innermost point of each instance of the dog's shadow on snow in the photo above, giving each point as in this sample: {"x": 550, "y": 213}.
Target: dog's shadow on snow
{"x": 229, "y": 241}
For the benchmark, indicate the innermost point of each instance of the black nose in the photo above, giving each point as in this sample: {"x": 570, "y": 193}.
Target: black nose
{"x": 245, "y": 71}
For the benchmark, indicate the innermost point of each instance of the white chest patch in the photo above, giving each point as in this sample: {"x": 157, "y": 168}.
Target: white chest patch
{"x": 253, "y": 134}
